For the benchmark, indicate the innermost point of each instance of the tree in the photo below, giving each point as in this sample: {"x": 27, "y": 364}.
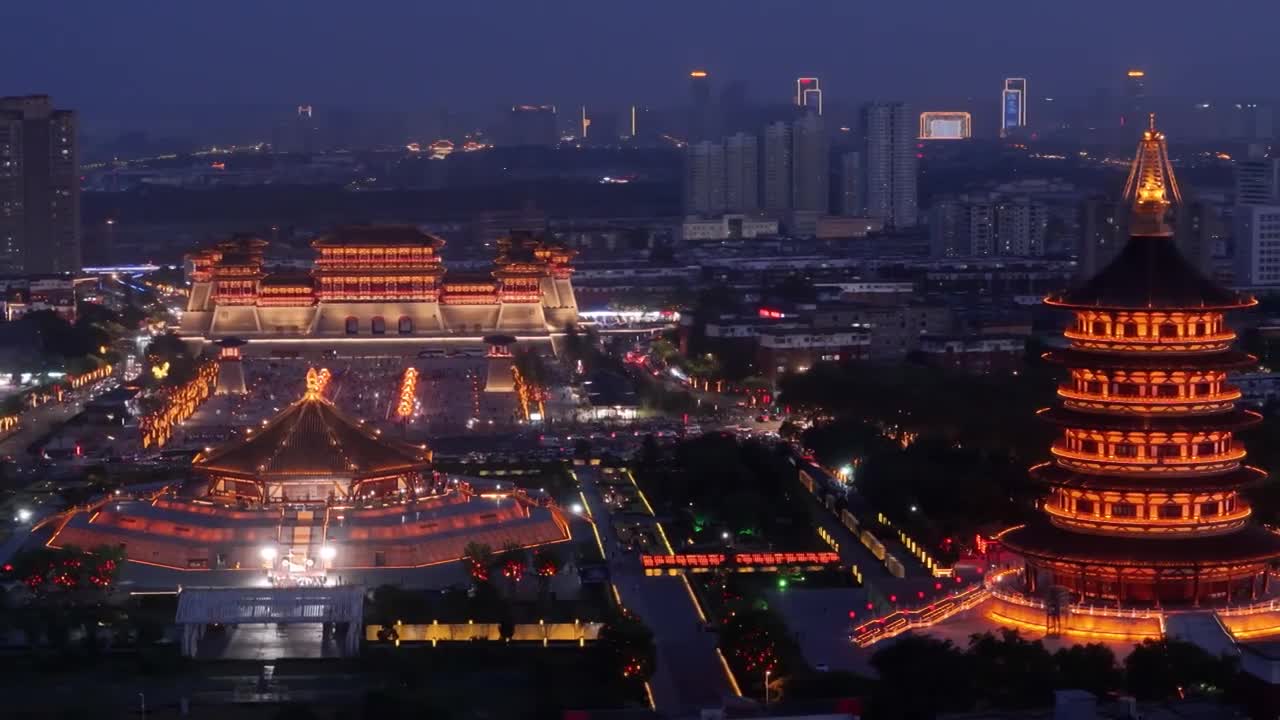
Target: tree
{"x": 628, "y": 645}
{"x": 512, "y": 564}
{"x": 392, "y": 605}
{"x": 826, "y": 686}
{"x": 546, "y": 564}
{"x": 1089, "y": 667}
{"x": 169, "y": 362}
{"x": 756, "y": 642}
{"x": 920, "y": 677}
{"x": 1011, "y": 671}
{"x": 479, "y": 558}
{"x": 1167, "y": 668}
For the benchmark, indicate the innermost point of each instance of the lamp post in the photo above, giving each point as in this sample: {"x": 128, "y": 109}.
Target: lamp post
{"x": 766, "y": 688}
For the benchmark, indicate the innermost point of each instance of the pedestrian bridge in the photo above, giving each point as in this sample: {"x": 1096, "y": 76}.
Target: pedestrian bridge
{"x": 341, "y": 606}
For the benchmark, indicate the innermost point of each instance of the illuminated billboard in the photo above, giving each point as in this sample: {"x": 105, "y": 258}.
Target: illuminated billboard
{"x": 1013, "y": 105}
{"x": 944, "y": 125}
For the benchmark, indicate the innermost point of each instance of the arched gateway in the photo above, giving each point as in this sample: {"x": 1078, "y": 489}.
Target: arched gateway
{"x": 343, "y": 606}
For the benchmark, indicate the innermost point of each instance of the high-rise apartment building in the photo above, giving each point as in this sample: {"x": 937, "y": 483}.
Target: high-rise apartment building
{"x": 890, "y": 162}
{"x": 810, "y": 165}
{"x": 777, "y": 167}
{"x": 39, "y": 187}
{"x": 853, "y": 184}
{"x": 742, "y": 173}
{"x": 809, "y": 94}
{"x": 704, "y": 179}
{"x": 988, "y": 226}
{"x": 1013, "y": 106}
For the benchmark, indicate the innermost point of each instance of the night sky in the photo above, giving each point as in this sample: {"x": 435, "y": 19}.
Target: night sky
{"x": 123, "y": 57}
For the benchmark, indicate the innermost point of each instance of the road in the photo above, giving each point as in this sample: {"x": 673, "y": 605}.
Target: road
{"x": 689, "y": 676}
{"x": 34, "y": 424}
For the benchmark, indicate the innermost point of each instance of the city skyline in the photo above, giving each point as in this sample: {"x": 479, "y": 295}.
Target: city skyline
{"x": 107, "y": 65}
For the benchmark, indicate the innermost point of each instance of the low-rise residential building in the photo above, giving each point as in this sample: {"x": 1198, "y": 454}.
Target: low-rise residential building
{"x": 974, "y": 353}
{"x": 727, "y": 227}
{"x": 782, "y": 350}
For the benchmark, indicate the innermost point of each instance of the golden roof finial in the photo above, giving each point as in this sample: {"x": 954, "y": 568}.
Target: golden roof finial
{"x": 1151, "y": 188}
{"x": 316, "y": 382}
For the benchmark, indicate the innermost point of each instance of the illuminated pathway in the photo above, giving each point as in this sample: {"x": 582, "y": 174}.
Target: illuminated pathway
{"x": 689, "y": 675}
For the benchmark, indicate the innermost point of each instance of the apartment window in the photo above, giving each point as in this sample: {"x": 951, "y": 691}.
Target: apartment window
{"x": 1170, "y": 512}
{"x": 1084, "y": 507}
{"x": 1208, "y": 509}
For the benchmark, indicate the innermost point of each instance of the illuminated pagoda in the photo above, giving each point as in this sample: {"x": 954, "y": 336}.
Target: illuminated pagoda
{"x": 311, "y": 452}
{"x": 313, "y": 490}
{"x": 1145, "y": 506}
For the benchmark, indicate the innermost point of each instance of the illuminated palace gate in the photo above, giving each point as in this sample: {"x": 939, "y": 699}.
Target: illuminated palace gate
{"x": 341, "y": 606}
{"x": 1144, "y": 503}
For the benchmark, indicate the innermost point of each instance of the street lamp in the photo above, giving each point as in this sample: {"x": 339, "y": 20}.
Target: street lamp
{"x": 328, "y": 553}
{"x": 268, "y": 554}
{"x": 766, "y": 688}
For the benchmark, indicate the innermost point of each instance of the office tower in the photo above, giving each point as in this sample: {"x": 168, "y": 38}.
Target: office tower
{"x": 641, "y": 123}
{"x": 890, "y": 163}
{"x": 305, "y": 132}
{"x": 532, "y": 125}
{"x": 742, "y": 173}
{"x": 39, "y": 187}
{"x": 1257, "y": 245}
{"x": 810, "y": 165}
{"x": 777, "y": 167}
{"x": 702, "y": 125}
{"x": 1257, "y": 179}
{"x": 809, "y": 94}
{"x": 1135, "y": 99}
{"x": 704, "y": 179}
{"x": 1013, "y": 106}
{"x": 853, "y": 178}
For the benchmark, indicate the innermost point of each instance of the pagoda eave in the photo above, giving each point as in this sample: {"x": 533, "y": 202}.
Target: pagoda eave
{"x": 1224, "y": 360}
{"x": 1053, "y": 475}
{"x": 1044, "y": 541}
{"x": 1235, "y": 419}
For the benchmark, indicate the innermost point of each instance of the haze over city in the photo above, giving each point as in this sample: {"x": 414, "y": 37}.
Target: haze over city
{"x": 122, "y": 62}
{"x": 836, "y": 360}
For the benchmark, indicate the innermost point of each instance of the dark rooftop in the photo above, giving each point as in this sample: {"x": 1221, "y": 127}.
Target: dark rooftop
{"x": 378, "y": 236}
{"x": 1150, "y": 273}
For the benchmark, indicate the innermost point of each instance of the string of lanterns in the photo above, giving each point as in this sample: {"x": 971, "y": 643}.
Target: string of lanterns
{"x": 408, "y": 389}
{"x": 179, "y": 404}
{"x": 532, "y": 395}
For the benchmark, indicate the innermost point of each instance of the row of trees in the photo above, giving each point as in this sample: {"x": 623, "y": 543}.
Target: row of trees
{"x": 715, "y": 481}
{"x": 1007, "y": 671}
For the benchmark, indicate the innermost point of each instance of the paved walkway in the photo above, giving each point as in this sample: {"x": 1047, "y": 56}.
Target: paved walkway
{"x": 689, "y": 676}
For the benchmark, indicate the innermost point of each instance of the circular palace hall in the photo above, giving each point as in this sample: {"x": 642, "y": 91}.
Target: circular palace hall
{"x": 1145, "y": 505}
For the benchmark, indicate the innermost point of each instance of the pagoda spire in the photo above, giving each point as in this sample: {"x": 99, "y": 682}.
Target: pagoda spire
{"x": 1151, "y": 188}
